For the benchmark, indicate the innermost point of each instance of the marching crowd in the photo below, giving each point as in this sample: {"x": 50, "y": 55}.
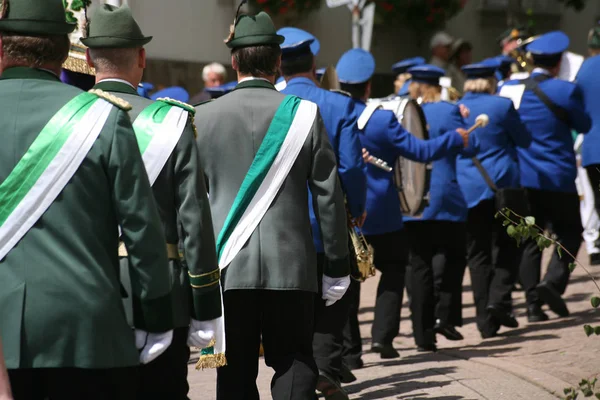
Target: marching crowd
{"x": 135, "y": 226}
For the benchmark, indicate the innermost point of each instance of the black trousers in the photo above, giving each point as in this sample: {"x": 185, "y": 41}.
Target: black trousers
{"x": 73, "y": 383}
{"x": 328, "y": 339}
{"x": 391, "y": 258}
{"x": 285, "y": 321}
{"x": 352, "y": 349}
{"x": 493, "y": 259}
{"x": 428, "y": 240}
{"x": 593, "y": 172}
{"x": 559, "y": 212}
{"x": 166, "y": 376}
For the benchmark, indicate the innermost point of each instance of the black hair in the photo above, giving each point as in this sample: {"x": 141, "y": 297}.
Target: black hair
{"x": 257, "y": 60}
{"x": 356, "y": 90}
{"x": 299, "y": 62}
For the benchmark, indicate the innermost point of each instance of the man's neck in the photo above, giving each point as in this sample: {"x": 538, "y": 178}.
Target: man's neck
{"x": 104, "y": 77}
{"x": 307, "y": 75}
{"x": 268, "y": 78}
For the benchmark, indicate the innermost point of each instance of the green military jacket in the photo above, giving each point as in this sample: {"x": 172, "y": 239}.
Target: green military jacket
{"x": 280, "y": 254}
{"x": 60, "y": 297}
{"x": 180, "y": 195}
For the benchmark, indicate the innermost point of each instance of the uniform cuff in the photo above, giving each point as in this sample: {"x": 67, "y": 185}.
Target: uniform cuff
{"x": 457, "y": 140}
{"x": 205, "y": 281}
{"x": 154, "y": 315}
{"x": 337, "y": 268}
{"x": 207, "y": 303}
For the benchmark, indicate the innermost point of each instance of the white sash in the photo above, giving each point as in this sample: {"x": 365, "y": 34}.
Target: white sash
{"x": 55, "y": 177}
{"x": 264, "y": 196}
{"x": 164, "y": 141}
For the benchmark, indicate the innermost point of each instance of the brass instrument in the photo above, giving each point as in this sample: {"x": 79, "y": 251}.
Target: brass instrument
{"x": 363, "y": 251}
{"x": 524, "y": 61}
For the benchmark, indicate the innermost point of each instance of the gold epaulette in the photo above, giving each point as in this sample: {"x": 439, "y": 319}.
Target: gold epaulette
{"x": 187, "y": 107}
{"x": 117, "y": 101}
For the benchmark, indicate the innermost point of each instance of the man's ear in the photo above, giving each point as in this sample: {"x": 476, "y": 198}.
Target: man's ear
{"x": 88, "y": 58}
{"x": 142, "y": 58}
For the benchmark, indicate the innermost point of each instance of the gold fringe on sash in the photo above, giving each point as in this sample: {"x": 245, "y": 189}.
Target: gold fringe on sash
{"x": 210, "y": 360}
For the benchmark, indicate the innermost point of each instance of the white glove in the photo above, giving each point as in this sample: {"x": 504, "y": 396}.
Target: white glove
{"x": 152, "y": 345}
{"x": 334, "y": 288}
{"x": 202, "y": 332}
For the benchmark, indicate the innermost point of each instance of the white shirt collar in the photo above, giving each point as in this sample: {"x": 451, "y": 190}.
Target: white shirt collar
{"x": 253, "y": 78}
{"x": 541, "y": 71}
{"x": 118, "y": 80}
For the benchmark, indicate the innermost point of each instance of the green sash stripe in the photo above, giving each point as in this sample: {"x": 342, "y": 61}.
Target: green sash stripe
{"x": 41, "y": 153}
{"x": 269, "y": 148}
{"x": 144, "y": 124}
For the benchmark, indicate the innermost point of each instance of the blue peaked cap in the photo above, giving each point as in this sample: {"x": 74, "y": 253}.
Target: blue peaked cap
{"x": 355, "y": 66}
{"x": 218, "y": 91}
{"x": 174, "y": 92}
{"x": 484, "y": 69}
{"x": 297, "y": 39}
{"x": 402, "y": 66}
{"x": 549, "y": 44}
{"x": 426, "y": 73}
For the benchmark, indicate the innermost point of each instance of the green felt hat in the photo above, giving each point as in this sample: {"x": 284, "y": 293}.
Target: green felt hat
{"x": 34, "y": 17}
{"x": 255, "y": 30}
{"x": 114, "y": 27}
{"x": 519, "y": 32}
{"x": 594, "y": 38}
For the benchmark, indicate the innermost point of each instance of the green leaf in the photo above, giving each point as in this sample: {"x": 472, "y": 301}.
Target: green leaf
{"x": 77, "y": 5}
{"x": 598, "y": 395}
{"x": 559, "y": 250}
{"x": 588, "y": 392}
{"x": 595, "y": 301}
{"x": 589, "y": 331}
{"x": 497, "y": 215}
{"x": 512, "y": 231}
{"x": 597, "y": 332}
{"x": 530, "y": 221}
{"x": 71, "y": 17}
{"x": 507, "y": 212}
{"x": 506, "y": 222}
{"x": 567, "y": 390}
{"x": 572, "y": 267}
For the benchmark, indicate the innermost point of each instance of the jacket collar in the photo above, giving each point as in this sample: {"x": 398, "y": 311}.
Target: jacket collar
{"x": 116, "y": 87}
{"x": 28, "y": 73}
{"x": 255, "y": 83}
{"x": 301, "y": 81}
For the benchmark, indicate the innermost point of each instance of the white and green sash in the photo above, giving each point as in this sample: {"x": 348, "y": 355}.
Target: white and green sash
{"x": 158, "y": 129}
{"x": 48, "y": 165}
{"x": 274, "y": 159}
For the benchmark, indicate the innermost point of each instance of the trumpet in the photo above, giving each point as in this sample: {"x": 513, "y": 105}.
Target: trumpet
{"x": 524, "y": 62}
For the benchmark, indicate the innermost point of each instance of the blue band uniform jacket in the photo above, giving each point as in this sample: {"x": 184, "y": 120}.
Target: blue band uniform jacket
{"x": 385, "y": 138}
{"x": 549, "y": 163}
{"x": 498, "y": 143}
{"x": 588, "y": 80}
{"x": 339, "y": 118}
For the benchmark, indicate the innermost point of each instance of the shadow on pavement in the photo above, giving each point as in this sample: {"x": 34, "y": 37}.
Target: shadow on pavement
{"x": 402, "y": 383}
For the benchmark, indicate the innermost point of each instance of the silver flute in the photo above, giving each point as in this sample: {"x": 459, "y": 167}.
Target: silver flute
{"x": 379, "y": 163}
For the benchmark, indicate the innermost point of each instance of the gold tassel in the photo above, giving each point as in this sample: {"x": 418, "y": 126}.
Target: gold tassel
{"x": 211, "y": 361}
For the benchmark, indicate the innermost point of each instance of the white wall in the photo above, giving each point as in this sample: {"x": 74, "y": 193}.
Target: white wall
{"x": 194, "y": 31}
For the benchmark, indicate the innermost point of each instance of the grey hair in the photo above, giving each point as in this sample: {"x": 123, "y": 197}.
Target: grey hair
{"x": 481, "y": 85}
{"x": 215, "y": 68}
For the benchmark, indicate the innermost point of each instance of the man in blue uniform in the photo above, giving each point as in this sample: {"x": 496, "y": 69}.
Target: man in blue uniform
{"x": 400, "y": 69}
{"x": 589, "y": 82}
{"x": 385, "y": 138}
{"x": 550, "y": 109}
{"x": 298, "y": 68}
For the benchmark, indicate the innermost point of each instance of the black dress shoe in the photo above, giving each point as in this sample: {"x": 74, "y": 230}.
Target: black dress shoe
{"x": 535, "y": 313}
{"x": 448, "y": 331}
{"x": 503, "y": 317}
{"x": 595, "y": 259}
{"x": 550, "y": 296}
{"x": 330, "y": 388}
{"x": 354, "y": 363}
{"x": 386, "y": 351}
{"x": 427, "y": 348}
{"x": 346, "y": 376}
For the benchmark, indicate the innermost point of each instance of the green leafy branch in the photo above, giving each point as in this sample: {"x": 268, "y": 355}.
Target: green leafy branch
{"x": 523, "y": 228}
{"x": 586, "y": 387}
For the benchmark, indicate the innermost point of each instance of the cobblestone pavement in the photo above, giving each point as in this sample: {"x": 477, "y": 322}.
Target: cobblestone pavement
{"x": 534, "y": 361}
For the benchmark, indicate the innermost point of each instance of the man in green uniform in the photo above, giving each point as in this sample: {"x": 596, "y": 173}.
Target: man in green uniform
{"x": 116, "y": 52}
{"x": 68, "y": 180}
{"x": 261, "y": 150}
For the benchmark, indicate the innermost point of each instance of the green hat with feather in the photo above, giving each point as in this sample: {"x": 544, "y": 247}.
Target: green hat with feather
{"x": 35, "y": 17}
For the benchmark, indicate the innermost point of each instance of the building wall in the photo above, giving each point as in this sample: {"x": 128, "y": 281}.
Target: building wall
{"x": 191, "y": 35}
